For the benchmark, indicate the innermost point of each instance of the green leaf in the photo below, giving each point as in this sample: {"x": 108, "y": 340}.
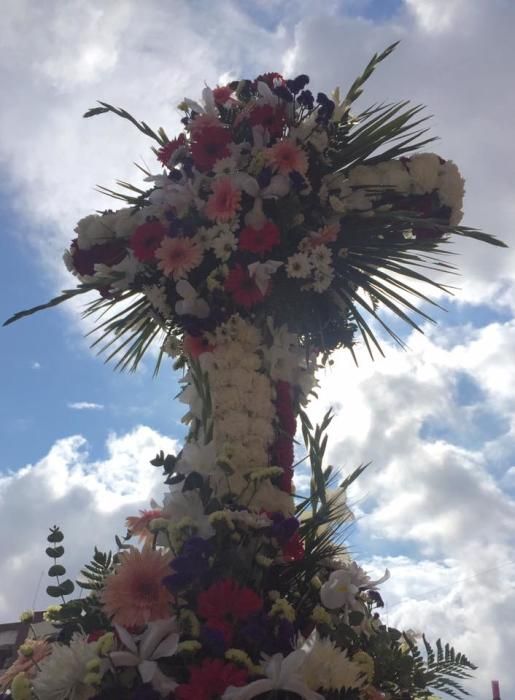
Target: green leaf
{"x": 356, "y": 618}
{"x": 56, "y": 570}
{"x": 54, "y": 591}
{"x": 54, "y": 552}
{"x": 55, "y": 535}
{"x": 67, "y": 587}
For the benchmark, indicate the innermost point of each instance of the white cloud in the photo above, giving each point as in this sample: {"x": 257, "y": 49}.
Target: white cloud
{"x": 88, "y": 498}
{"x": 86, "y": 406}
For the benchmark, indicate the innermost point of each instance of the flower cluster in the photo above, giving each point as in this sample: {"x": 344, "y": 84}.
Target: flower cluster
{"x": 268, "y": 228}
{"x": 255, "y": 212}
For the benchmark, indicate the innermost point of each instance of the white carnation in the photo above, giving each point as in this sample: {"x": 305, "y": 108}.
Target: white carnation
{"x": 424, "y": 169}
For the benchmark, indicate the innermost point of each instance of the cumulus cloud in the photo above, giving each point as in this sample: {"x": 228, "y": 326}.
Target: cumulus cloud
{"x": 86, "y": 406}
{"x": 88, "y": 498}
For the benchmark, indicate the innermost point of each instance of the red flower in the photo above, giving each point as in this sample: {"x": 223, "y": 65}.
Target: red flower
{"x": 293, "y": 550}
{"x": 146, "y": 239}
{"x": 166, "y": 152}
{"x": 210, "y": 144}
{"x": 84, "y": 261}
{"x": 225, "y": 601}
{"x": 271, "y": 79}
{"x": 195, "y": 345}
{"x": 241, "y": 285}
{"x": 284, "y": 407}
{"x": 272, "y": 119}
{"x": 282, "y": 452}
{"x": 210, "y": 680}
{"x": 260, "y": 240}
{"x": 221, "y": 95}
{"x": 286, "y": 480}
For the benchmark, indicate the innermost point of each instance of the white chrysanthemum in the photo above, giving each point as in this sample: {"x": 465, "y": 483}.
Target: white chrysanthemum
{"x": 329, "y": 668}
{"x": 322, "y": 280}
{"x": 62, "y": 673}
{"x": 157, "y": 297}
{"x": 224, "y": 245}
{"x": 225, "y": 166}
{"x": 394, "y": 174}
{"x": 298, "y": 266}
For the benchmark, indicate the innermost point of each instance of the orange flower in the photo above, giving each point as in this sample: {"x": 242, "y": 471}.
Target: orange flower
{"x": 134, "y": 594}
{"x": 177, "y": 256}
{"x": 224, "y": 203}
{"x": 327, "y": 234}
{"x": 286, "y": 157}
{"x": 139, "y": 525}
{"x": 25, "y": 664}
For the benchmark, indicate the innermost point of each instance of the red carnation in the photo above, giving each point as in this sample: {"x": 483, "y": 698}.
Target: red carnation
{"x": 282, "y": 451}
{"x": 260, "y": 240}
{"x": 84, "y": 261}
{"x": 221, "y": 95}
{"x": 166, "y": 152}
{"x": 210, "y": 680}
{"x": 146, "y": 239}
{"x": 243, "y": 288}
{"x": 271, "y": 119}
{"x": 210, "y": 144}
{"x": 284, "y": 407}
{"x": 226, "y": 601}
{"x": 271, "y": 79}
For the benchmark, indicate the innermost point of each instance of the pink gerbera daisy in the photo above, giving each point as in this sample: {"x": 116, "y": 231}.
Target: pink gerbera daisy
{"x": 177, "y": 256}
{"x": 134, "y": 594}
{"x": 286, "y": 157}
{"x": 225, "y": 200}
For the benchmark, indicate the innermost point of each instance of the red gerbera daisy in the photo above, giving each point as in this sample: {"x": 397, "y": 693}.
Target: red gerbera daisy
{"x": 259, "y": 240}
{"x": 243, "y": 288}
{"x": 210, "y": 144}
{"x": 166, "y": 152}
{"x": 146, "y": 239}
{"x": 267, "y": 116}
{"x": 210, "y": 680}
{"x": 227, "y": 601}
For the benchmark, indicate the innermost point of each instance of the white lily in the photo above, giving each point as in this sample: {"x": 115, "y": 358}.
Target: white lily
{"x": 159, "y": 640}
{"x": 343, "y": 586}
{"x": 191, "y": 303}
{"x": 281, "y": 674}
{"x": 261, "y": 273}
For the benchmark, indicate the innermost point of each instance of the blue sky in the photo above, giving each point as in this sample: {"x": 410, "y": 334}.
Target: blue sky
{"x": 438, "y": 421}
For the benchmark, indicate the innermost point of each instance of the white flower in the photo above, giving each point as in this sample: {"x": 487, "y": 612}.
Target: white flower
{"x": 124, "y": 272}
{"x": 159, "y": 641}
{"x": 321, "y": 257}
{"x": 261, "y": 273}
{"x": 343, "y": 586}
{"x": 191, "y": 303}
{"x": 197, "y": 457}
{"x": 179, "y": 505}
{"x": 225, "y": 166}
{"x": 424, "y": 169}
{"x": 93, "y": 230}
{"x": 224, "y": 244}
{"x": 298, "y": 265}
{"x": 157, "y": 297}
{"x": 62, "y": 673}
{"x": 281, "y": 674}
{"x": 322, "y": 280}
{"x": 329, "y": 667}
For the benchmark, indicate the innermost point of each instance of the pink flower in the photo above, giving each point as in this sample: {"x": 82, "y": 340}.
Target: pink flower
{"x": 224, "y": 202}
{"x": 286, "y": 157}
{"x": 134, "y": 594}
{"x": 138, "y": 525}
{"x": 177, "y": 256}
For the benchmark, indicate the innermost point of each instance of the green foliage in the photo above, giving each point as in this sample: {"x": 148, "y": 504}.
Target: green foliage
{"x": 61, "y": 588}
{"x": 96, "y": 571}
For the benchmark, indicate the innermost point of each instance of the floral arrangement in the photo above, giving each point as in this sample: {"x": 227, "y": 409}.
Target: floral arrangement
{"x": 279, "y": 224}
